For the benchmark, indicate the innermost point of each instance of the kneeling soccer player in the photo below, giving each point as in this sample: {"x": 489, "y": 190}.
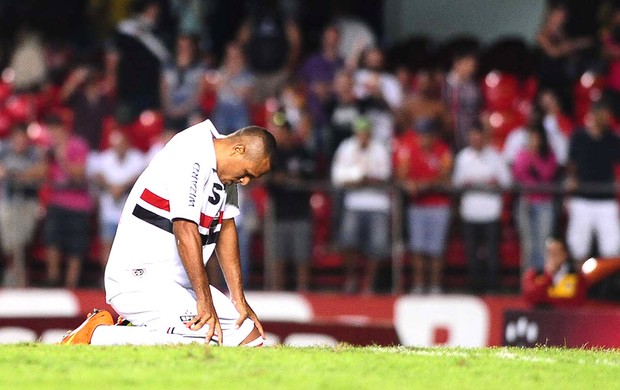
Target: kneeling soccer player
{"x": 179, "y": 211}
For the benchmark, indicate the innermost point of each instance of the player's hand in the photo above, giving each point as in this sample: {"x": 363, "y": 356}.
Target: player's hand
{"x": 207, "y": 316}
{"x": 411, "y": 187}
{"x": 571, "y": 184}
{"x": 245, "y": 312}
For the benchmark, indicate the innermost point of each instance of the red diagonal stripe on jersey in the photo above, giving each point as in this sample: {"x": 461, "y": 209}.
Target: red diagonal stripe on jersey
{"x": 155, "y": 200}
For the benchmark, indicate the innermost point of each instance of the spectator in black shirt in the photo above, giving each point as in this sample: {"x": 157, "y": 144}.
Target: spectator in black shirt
{"x": 343, "y": 111}
{"x": 90, "y": 98}
{"x": 290, "y": 233}
{"x": 140, "y": 56}
{"x": 593, "y": 155}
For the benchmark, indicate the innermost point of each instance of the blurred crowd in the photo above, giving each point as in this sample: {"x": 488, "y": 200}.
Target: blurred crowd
{"x": 479, "y": 153}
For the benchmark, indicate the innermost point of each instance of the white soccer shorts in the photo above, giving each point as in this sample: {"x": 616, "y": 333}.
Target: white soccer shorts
{"x": 166, "y": 306}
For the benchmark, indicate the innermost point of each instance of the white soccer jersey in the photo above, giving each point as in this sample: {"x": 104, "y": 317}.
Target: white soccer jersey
{"x": 180, "y": 182}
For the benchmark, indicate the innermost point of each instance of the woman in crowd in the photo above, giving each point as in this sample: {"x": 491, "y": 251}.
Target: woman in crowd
{"x": 535, "y": 165}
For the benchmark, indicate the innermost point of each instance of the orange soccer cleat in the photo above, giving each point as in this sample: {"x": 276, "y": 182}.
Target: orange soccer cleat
{"x": 83, "y": 333}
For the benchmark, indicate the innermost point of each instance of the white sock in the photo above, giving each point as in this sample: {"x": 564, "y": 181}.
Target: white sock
{"x": 138, "y": 335}
{"x": 257, "y": 342}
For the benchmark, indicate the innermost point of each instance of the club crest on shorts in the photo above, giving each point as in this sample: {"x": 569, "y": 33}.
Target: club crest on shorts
{"x": 138, "y": 272}
{"x": 187, "y": 316}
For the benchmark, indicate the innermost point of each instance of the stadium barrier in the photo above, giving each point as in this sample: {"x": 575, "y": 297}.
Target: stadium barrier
{"x": 327, "y": 319}
{"x": 326, "y": 221}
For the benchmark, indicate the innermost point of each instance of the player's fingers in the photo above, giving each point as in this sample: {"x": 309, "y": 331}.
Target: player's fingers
{"x": 210, "y": 331}
{"x": 197, "y": 323}
{"x": 240, "y": 321}
{"x": 258, "y": 326}
{"x": 220, "y": 335}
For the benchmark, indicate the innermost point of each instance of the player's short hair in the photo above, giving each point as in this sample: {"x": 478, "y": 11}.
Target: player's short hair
{"x": 464, "y": 51}
{"x": 139, "y": 6}
{"x": 266, "y": 139}
{"x": 601, "y": 105}
{"x": 19, "y": 127}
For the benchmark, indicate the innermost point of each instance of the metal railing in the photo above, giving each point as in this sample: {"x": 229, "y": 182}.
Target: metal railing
{"x": 397, "y": 208}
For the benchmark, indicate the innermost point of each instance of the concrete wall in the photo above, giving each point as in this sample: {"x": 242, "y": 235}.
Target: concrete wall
{"x": 441, "y": 19}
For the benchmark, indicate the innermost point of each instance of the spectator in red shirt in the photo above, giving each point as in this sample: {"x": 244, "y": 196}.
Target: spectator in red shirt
{"x": 559, "y": 283}
{"x": 423, "y": 165}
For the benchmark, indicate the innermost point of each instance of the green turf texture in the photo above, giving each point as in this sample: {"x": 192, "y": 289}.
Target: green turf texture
{"x": 37, "y": 366}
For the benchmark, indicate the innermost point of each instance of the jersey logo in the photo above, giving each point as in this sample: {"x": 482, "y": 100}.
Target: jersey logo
{"x": 138, "y": 272}
{"x": 193, "y": 187}
{"x": 216, "y": 197}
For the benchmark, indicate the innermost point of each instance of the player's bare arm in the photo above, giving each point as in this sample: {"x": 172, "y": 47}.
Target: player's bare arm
{"x": 190, "y": 250}
{"x": 227, "y": 251}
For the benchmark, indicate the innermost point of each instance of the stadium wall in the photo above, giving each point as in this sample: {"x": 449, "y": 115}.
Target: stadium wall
{"x": 443, "y": 19}
{"x": 309, "y": 319}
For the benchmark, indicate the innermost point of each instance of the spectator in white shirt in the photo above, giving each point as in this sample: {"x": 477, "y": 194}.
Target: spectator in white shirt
{"x": 372, "y": 73}
{"x": 480, "y": 165}
{"x": 359, "y": 162}
{"x": 116, "y": 169}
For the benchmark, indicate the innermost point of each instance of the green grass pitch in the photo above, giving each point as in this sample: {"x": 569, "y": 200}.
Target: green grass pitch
{"x": 37, "y": 366}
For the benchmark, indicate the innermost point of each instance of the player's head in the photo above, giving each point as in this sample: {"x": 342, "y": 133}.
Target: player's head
{"x": 331, "y": 37}
{"x": 19, "y": 137}
{"x": 599, "y": 116}
{"x": 186, "y": 49}
{"x": 246, "y": 154}
{"x": 148, "y": 11}
{"x": 362, "y": 130}
{"x": 57, "y": 128}
{"x": 119, "y": 141}
{"x": 427, "y": 130}
{"x": 555, "y": 250}
{"x": 465, "y": 62}
{"x": 476, "y": 136}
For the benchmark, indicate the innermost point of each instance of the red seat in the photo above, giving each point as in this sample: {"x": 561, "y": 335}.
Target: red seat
{"x": 47, "y": 100}
{"x": 208, "y": 101}
{"x": 618, "y": 179}
{"x": 107, "y": 126}
{"x": 148, "y": 127}
{"x": 260, "y": 197}
{"x": 502, "y": 123}
{"x": 529, "y": 89}
{"x": 588, "y": 89}
{"x": 501, "y": 91}
{"x": 455, "y": 253}
{"x": 20, "y": 108}
{"x": 323, "y": 257}
{"x": 6, "y": 90}
{"x": 510, "y": 253}
{"x": 5, "y": 123}
{"x": 327, "y": 260}
{"x": 39, "y": 135}
{"x": 320, "y": 204}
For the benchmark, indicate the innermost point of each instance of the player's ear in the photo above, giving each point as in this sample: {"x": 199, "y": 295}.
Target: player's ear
{"x": 238, "y": 149}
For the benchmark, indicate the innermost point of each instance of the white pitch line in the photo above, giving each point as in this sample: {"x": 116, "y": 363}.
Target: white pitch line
{"x": 514, "y": 356}
{"x": 501, "y": 354}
